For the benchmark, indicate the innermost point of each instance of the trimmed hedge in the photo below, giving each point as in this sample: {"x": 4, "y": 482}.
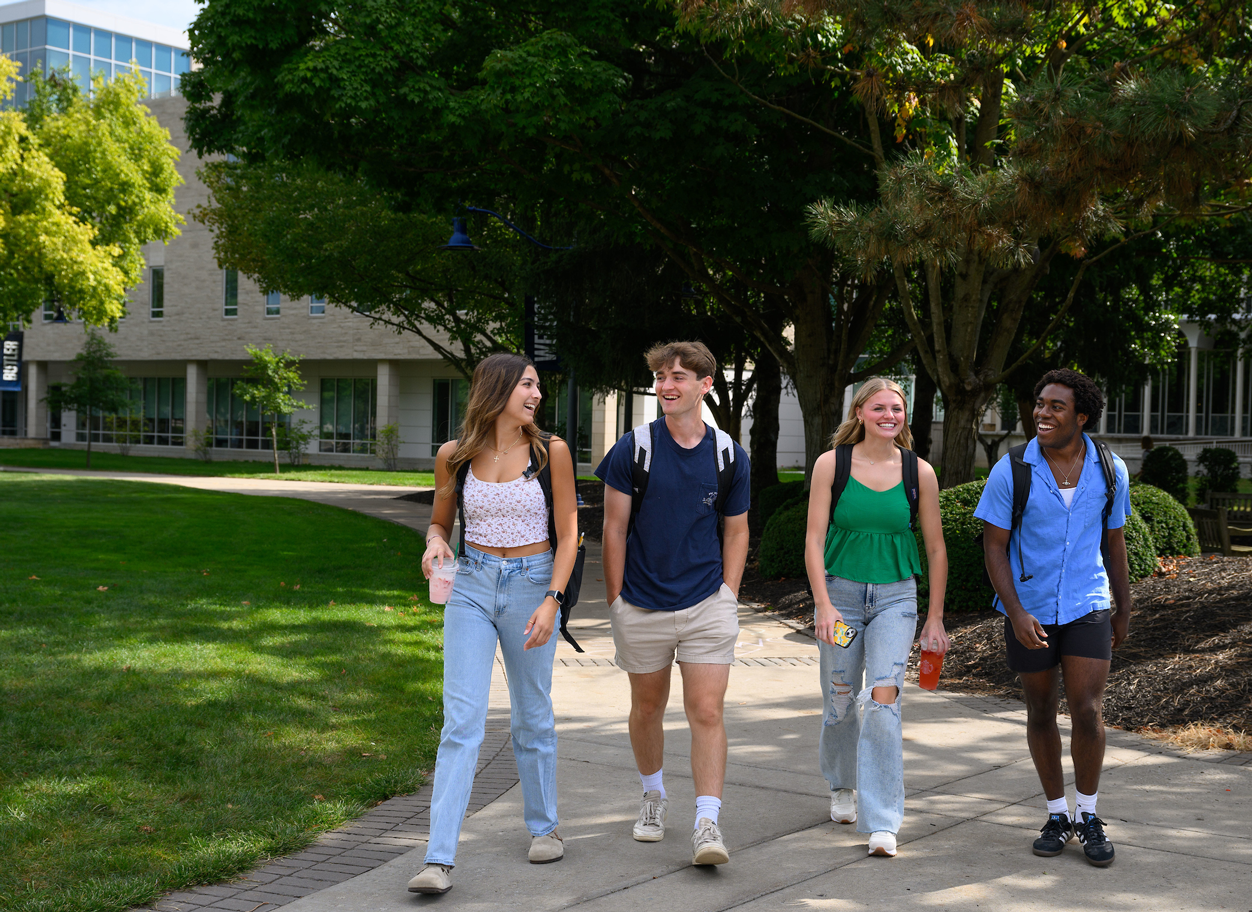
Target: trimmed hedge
{"x": 1166, "y": 468}
{"x": 1140, "y": 549}
{"x": 782, "y": 542}
{"x": 1172, "y": 529}
{"x": 1218, "y": 470}
{"x": 779, "y": 495}
{"x": 968, "y": 589}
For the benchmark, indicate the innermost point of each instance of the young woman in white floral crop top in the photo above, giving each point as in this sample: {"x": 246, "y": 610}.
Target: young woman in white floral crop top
{"x": 509, "y": 586}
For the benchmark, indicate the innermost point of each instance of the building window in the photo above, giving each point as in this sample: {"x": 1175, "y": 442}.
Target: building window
{"x": 156, "y": 416}
{"x": 349, "y": 409}
{"x": 8, "y": 413}
{"x": 49, "y": 311}
{"x": 317, "y": 305}
{"x": 273, "y": 304}
{"x": 230, "y": 292}
{"x": 235, "y": 424}
{"x": 54, "y": 418}
{"x": 156, "y": 288}
{"x": 449, "y": 409}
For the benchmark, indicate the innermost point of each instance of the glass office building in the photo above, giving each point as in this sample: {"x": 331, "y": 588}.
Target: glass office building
{"x": 51, "y": 42}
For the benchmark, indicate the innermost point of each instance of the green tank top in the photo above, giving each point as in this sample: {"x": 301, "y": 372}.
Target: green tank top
{"x": 870, "y": 540}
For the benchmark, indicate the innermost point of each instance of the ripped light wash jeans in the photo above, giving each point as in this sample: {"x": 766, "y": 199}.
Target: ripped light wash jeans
{"x": 861, "y": 745}
{"x": 492, "y": 599}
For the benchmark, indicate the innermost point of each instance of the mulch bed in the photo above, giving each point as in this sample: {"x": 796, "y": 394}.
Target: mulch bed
{"x": 1188, "y": 657}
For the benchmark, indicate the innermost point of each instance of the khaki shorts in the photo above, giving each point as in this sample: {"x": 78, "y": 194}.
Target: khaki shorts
{"x": 648, "y": 641}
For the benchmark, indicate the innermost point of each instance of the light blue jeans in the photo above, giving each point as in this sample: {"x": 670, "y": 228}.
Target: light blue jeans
{"x": 861, "y": 745}
{"x": 492, "y": 599}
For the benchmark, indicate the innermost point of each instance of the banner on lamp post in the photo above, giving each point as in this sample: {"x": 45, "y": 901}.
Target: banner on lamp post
{"x": 11, "y": 363}
{"x": 540, "y": 348}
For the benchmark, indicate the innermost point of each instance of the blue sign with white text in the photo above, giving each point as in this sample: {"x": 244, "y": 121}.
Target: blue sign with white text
{"x": 11, "y": 363}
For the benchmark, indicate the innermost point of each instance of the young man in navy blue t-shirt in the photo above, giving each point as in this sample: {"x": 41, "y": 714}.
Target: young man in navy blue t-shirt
{"x": 673, "y": 587}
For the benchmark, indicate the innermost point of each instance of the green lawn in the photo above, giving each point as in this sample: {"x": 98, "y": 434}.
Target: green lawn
{"x": 170, "y": 465}
{"x": 193, "y": 681}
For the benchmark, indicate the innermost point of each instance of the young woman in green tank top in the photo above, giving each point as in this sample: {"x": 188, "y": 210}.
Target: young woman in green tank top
{"x": 862, "y": 569}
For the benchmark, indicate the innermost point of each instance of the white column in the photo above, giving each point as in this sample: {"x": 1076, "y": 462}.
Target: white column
{"x": 36, "y": 391}
{"x": 388, "y": 395}
{"x": 603, "y": 426}
{"x": 197, "y": 405}
{"x": 1104, "y": 418}
{"x": 1193, "y": 389}
{"x": 1147, "y": 405}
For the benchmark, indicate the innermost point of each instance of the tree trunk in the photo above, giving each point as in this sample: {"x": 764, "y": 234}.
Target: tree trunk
{"x": 274, "y": 438}
{"x": 821, "y": 400}
{"x": 924, "y": 390}
{"x": 960, "y": 437}
{"x": 89, "y": 438}
{"x": 764, "y": 443}
{"x": 1026, "y": 412}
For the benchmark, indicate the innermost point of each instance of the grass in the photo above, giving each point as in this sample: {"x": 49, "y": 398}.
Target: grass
{"x": 193, "y": 681}
{"x": 171, "y": 465}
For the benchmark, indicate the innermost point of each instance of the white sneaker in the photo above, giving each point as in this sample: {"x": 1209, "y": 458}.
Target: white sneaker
{"x": 843, "y": 805}
{"x": 707, "y": 847}
{"x": 650, "y": 827}
{"x": 883, "y": 843}
{"x": 434, "y": 878}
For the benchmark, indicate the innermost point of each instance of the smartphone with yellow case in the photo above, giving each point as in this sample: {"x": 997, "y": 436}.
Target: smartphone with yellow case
{"x": 843, "y": 634}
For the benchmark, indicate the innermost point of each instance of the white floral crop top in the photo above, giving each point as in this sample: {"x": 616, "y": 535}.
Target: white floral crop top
{"x": 505, "y": 514}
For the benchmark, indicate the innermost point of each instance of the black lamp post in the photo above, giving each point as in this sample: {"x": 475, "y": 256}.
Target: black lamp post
{"x": 460, "y": 241}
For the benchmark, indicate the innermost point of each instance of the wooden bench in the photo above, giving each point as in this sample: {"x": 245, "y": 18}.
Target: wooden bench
{"x": 1238, "y": 509}
{"x": 1210, "y": 526}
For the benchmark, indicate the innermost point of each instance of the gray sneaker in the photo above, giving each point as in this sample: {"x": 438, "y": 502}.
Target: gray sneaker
{"x": 650, "y": 827}
{"x": 707, "y": 847}
{"x": 546, "y": 849}
{"x": 843, "y": 805}
{"x": 434, "y": 878}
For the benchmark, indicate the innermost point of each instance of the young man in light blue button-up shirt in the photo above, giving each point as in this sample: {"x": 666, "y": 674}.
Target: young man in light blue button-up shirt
{"x": 1053, "y": 586}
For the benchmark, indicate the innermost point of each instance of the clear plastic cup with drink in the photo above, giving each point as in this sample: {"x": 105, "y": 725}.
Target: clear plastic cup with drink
{"x": 928, "y": 668}
{"x": 441, "y": 580}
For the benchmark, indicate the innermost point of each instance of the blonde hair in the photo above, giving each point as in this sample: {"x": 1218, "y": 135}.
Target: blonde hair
{"x": 495, "y": 378}
{"x": 694, "y": 356}
{"x": 853, "y": 431}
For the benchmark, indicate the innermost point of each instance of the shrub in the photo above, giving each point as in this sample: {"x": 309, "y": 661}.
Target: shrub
{"x": 1218, "y": 470}
{"x": 1166, "y": 468}
{"x": 776, "y": 496}
{"x": 387, "y": 446}
{"x": 1172, "y": 530}
{"x": 293, "y": 438}
{"x": 782, "y": 542}
{"x": 1140, "y": 549}
{"x": 201, "y": 441}
{"x": 968, "y": 589}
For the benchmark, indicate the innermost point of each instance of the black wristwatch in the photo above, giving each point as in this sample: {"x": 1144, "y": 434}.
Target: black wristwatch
{"x": 556, "y": 595}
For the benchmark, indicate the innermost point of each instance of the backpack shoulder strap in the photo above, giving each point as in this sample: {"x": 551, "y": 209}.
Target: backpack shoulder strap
{"x": 462, "y": 473}
{"x": 545, "y": 483}
{"x": 909, "y": 471}
{"x": 642, "y": 446}
{"x": 843, "y": 471}
{"x": 725, "y": 452}
{"x": 1107, "y": 466}
{"x": 1021, "y": 483}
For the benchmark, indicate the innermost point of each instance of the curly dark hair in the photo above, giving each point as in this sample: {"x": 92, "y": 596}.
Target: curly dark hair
{"x": 1088, "y": 400}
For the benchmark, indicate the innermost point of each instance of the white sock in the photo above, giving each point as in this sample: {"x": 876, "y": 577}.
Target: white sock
{"x": 1085, "y": 803}
{"x": 707, "y": 807}
{"x": 1059, "y": 806}
{"x": 654, "y": 782}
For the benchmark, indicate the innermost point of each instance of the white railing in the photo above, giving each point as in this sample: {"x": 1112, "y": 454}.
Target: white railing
{"x": 1189, "y": 448}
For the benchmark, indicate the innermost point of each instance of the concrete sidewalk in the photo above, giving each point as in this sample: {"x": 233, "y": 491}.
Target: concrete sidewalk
{"x": 1180, "y": 822}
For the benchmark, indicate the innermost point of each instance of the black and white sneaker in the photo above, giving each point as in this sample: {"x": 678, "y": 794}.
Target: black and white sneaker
{"x": 1054, "y": 835}
{"x": 1095, "y": 844}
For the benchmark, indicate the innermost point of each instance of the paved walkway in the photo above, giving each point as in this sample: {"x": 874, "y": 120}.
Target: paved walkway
{"x": 1180, "y": 822}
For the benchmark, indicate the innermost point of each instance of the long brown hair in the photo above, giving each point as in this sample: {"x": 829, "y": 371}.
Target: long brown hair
{"x": 495, "y": 378}
{"x": 852, "y": 431}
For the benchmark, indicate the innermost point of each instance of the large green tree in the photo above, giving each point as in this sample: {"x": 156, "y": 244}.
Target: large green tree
{"x": 555, "y": 114}
{"x": 1007, "y": 136}
{"x": 84, "y": 184}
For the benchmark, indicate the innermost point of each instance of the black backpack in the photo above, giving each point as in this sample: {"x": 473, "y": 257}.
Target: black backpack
{"x": 1021, "y": 493}
{"x": 545, "y": 483}
{"x": 843, "y": 471}
{"x": 643, "y": 445}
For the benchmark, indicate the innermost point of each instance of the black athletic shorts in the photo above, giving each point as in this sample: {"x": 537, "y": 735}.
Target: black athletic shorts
{"x": 1089, "y": 637}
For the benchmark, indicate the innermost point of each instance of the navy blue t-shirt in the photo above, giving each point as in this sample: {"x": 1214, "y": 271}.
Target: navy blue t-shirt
{"x": 673, "y": 555}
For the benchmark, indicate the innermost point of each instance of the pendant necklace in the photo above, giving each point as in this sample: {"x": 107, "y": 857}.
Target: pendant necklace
{"x": 505, "y": 451}
{"x": 1066, "y": 483}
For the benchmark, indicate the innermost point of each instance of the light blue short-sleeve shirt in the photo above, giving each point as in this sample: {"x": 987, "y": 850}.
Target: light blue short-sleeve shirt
{"x": 1060, "y": 547}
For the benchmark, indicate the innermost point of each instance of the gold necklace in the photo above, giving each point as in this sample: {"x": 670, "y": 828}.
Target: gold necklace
{"x": 505, "y": 451}
{"x": 1066, "y": 482}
